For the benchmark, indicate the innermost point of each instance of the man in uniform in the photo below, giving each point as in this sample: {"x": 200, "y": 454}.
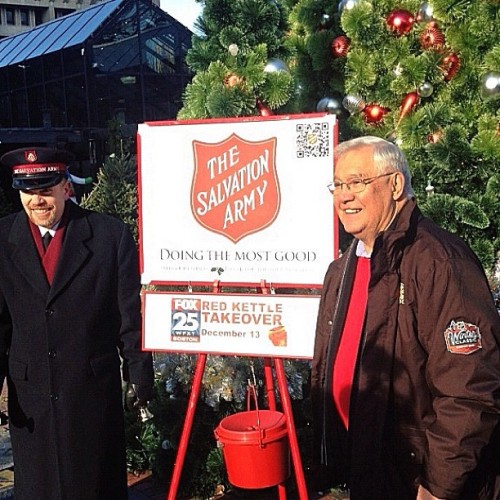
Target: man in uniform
{"x": 69, "y": 320}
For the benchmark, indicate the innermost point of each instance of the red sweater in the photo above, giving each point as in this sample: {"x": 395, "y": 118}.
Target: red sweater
{"x": 345, "y": 362}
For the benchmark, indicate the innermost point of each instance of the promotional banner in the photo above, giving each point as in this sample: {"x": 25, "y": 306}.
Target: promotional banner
{"x": 238, "y": 200}
{"x": 252, "y": 325}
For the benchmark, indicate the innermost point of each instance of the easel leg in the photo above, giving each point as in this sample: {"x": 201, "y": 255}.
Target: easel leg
{"x": 294, "y": 446}
{"x": 188, "y": 423}
{"x": 268, "y": 377}
{"x": 271, "y": 399}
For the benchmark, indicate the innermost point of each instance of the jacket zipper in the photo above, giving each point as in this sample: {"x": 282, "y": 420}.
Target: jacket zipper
{"x": 329, "y": 360}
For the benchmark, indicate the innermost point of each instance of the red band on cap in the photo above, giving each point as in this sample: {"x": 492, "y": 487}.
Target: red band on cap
{"x": 39, "y": 168}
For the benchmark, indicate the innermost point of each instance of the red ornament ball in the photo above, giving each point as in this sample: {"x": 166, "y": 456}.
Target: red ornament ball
{"x": 340, "y": 46}
{"x": 400, "y": 21}
{"x": 432, "y": 37}
{"x": 409, "y": 101}
{"x": 374, "y": 113}
{"x": 450, "y": 65}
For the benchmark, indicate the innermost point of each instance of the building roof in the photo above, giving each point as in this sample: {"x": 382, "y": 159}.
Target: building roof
{"x": 64, "y": 32}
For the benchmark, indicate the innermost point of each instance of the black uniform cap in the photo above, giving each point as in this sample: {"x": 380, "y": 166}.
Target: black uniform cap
{"x": 36, "y": 168}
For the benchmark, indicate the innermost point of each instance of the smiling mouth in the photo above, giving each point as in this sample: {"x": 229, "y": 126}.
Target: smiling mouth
{"x": 352, "y": 211}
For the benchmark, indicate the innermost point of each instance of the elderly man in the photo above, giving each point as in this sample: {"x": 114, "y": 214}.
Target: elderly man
{"x": 406, "y": 369}
{"x": 69, "y": 307}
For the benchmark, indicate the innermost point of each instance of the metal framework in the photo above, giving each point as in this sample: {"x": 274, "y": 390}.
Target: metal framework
{"x": 64, "y": 81}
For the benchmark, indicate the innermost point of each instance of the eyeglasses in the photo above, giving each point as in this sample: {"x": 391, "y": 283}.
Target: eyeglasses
{"x": 354, "y": 186}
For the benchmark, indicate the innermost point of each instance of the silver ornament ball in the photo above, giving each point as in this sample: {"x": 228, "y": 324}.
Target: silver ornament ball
{"x": 274, "y": 65}
{"x": 425, "y": 13}
{"x": 329, "y": 105}
{"x": 353, "y": 103}
{"x": 347, "y": 4}
{"x": 425, "y": 90}
{"x": 490, "y": 85}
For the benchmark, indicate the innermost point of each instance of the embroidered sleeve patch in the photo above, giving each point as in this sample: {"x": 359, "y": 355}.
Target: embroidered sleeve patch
{"x": 462, "y": 338}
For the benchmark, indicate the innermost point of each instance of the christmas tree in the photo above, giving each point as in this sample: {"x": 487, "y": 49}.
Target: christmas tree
{"x": 427, "y": 80}
{"x": 239, "y": 59}
{"x": 115, "y": 192}
{"x": 425, "y": 75}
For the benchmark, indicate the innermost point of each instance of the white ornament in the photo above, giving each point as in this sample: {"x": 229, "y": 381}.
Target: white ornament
{"x": 429, "y": 189}
{"x": 233, "y": 49}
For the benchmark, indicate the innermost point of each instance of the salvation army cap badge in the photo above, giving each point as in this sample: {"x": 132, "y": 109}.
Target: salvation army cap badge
{"x": 462, "y": 338}
{"x": 235, "y": 190}
{"x": 30, "y": 155}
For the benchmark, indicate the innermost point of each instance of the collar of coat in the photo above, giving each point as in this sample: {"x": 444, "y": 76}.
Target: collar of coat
{"x": 74, "y": 252}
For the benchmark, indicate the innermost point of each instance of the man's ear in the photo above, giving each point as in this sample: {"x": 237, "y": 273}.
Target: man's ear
{"x": 398, "y": 186}
{"x": 68, "y": 189}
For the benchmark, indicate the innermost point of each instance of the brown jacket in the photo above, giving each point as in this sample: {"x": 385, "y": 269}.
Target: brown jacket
{"x": 422, "y": 411}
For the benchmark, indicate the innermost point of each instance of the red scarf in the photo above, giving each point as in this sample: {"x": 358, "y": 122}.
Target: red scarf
{"x": 50, "y": 257}
{"x": 347, "y": 354}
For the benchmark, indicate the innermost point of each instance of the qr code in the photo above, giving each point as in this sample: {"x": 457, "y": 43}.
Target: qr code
{"x": 313, "y": 140}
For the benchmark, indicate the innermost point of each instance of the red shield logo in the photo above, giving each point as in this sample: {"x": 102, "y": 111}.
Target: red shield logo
{"x": 235, "y": 190}
{"x": 30, "y": 156}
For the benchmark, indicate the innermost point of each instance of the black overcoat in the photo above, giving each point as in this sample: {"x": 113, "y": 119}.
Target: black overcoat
{"x": 65, "y": 343}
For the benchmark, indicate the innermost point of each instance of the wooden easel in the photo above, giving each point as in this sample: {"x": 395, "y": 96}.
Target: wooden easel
{"x": 269, "y": 386}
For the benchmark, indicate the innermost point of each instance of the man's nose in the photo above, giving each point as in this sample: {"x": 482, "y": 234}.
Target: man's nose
{"x": 37, "y": 199}
{"x": 345, "y": 193}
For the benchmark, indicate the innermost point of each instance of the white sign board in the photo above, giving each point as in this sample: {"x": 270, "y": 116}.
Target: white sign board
{"x": 251, "y": 325}
{"x": 240, "y": 200}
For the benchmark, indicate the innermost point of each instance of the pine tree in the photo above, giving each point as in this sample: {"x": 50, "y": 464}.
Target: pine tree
{"x": 115, "y": 192}
{"x": 426, "y": 76}
{"x": 239, "y": 60}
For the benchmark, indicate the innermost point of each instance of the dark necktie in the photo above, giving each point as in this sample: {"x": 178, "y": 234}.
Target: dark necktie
{"x": 46, "y": 239}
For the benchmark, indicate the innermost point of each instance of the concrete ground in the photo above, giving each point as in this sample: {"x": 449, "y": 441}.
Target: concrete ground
{"x": 6, "y": 463}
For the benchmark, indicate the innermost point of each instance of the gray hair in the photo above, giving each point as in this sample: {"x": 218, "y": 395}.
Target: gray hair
{"x": 387, "y": 157}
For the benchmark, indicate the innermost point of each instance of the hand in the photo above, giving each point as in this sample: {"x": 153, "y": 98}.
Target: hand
{"x": 138, "y": 396}
{"x": 424, "y": 494}
{"x": 143, "y": 393}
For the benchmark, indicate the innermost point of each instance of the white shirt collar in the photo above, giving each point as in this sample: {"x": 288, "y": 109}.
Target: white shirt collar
{"x": 361, "y": 250}
{"x": 52, "y": 230}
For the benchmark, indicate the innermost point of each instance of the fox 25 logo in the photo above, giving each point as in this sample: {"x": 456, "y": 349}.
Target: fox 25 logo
{"x": 185, "y": 320}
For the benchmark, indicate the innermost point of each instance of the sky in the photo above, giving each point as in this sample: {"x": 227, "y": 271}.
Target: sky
{"x": 185, "y": 11}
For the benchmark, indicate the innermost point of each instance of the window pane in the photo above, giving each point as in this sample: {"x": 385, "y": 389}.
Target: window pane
{"x": 9, "y": 15}
{"x": 25, "y": 18}
{"x": 56, "y": 104}
{"x": 36, "y": 101}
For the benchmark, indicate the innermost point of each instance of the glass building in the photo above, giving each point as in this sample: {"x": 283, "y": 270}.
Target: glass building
{"x": 64, "y": 82}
